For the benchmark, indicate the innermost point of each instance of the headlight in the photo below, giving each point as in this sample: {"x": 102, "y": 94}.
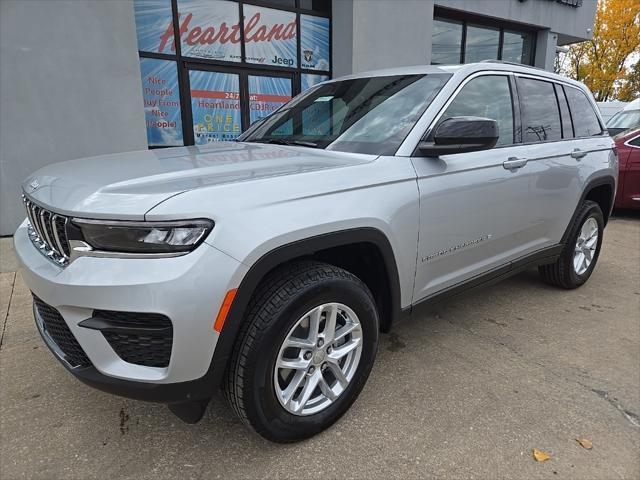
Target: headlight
{"x": 142, "y": 237}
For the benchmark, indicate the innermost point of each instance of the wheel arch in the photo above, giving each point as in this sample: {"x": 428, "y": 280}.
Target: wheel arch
{"x": 322, "y": 247}
{"x": 601, "y": 190}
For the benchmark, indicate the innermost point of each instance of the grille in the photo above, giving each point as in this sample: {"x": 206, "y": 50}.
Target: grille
{"x": 48, "y": 232}
{"x": 139, "y": 338}
{"x": 57, "y": 328}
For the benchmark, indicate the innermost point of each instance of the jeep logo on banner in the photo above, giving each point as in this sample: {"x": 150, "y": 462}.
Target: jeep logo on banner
{"x": 270, "y": 34}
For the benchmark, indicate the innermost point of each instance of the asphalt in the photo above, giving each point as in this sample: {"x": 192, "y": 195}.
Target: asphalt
{"x": 466, "y": 390}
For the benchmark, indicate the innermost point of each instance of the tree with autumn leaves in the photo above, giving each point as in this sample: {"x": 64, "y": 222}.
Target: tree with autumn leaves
{"x": 609, "y": 63}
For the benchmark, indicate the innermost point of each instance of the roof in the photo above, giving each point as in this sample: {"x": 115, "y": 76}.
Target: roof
{"x": 463, "y": 70}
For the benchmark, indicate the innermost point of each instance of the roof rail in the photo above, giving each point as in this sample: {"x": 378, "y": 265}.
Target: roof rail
{"x": 513, "y": 63}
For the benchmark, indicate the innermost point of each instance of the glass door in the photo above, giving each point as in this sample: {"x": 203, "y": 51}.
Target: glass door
{"x": 267, "y": 94}
{"x": 224, "y": 102}
{"x": 216, "y": 113}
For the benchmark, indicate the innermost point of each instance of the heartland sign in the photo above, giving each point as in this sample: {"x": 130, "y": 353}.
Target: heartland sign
{"x": 221, "y": 34}
{"x": 211, "y": 30}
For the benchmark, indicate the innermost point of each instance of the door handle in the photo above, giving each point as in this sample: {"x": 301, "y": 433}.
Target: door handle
{"x": 514, "y": 163}
{"x": 578, "y": 154}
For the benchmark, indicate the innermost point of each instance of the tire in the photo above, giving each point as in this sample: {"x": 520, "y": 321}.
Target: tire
{"x": 278, "y": 306}
{"x": 563, "y": 273}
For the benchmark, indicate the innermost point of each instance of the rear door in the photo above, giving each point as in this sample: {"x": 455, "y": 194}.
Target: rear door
{"x": 548, "y": 133}
{"x": 476, "y": 210}
{"x": 567, "y": 146}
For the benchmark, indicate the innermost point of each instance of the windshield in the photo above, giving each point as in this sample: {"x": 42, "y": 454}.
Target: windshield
{"x": 625, "y": 119}
{"x": 364, "y": 115}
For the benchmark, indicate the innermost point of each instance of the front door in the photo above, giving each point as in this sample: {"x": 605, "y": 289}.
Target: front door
{"x": 475, "y": 210}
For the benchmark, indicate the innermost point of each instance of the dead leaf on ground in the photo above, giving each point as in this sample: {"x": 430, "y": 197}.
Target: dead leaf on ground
{"x": 584, "y": 443}
{"x": 540, "y": 456}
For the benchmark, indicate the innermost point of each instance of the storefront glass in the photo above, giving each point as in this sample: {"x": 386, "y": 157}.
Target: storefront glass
{"x": 226, "y": 73}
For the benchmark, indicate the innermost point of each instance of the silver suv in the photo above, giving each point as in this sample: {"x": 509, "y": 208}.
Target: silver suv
{"x": 268, "y": 266}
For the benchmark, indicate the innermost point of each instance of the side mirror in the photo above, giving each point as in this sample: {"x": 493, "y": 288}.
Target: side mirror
{"x": 461, "y": 135}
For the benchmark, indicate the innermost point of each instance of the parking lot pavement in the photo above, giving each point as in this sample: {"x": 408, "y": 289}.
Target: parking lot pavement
{"x": 466, "y": 390}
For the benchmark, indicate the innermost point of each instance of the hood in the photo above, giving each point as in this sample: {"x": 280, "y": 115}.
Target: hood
{"x": 127, "y": 185}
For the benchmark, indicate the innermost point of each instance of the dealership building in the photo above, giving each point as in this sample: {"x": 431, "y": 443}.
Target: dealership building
{"x": 84, "y": 77}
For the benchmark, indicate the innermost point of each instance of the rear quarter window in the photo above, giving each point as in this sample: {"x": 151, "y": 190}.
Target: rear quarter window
{"x": 585, "y": 120}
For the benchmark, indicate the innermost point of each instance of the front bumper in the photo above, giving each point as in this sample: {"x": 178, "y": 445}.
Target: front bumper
{"x": 188, "y": 290}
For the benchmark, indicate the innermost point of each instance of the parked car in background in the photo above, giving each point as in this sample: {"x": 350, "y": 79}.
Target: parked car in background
{"x": 628, "y": 146}
{"x": 609, "y": 109}
{"x": 625, "y": 119}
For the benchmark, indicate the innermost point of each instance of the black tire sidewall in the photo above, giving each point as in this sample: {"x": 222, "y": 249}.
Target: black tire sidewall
{"x": 593, "y": 211}
{"x": 264, "y": 410}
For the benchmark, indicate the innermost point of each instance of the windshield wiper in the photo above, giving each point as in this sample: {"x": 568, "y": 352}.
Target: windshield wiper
{"x": 282, "y": 141}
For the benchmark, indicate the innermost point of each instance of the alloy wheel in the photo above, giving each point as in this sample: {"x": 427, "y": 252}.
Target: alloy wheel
{"x": 586, "y": 245}
{"x": 318, "y": 359}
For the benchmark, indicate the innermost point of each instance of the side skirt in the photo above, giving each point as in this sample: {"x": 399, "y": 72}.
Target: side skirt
{"x": 540, "y": 257}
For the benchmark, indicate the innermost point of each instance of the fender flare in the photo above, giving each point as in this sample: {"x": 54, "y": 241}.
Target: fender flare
{"x": 288, "y": 252}
{"x": 597, "y": 182}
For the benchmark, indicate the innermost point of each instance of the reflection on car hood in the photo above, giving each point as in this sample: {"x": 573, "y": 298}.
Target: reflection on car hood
{"x": 127, "y": 185}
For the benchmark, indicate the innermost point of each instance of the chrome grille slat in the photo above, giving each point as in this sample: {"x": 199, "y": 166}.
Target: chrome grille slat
{"x": 29, "y": 214}
{"x": 47, "y": 231}
{"x": 36, "y": 217}
{"x": 56, "y": 236}
{"x": 46, "y": 226}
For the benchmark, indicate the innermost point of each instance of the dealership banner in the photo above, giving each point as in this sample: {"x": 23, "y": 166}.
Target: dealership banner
{"x": 270, "y": 36}
{"x": 314, "y": 42}
{"x": 266, "y": 95}
{"x": 153, "y": 18}
{"x": 215, "y": 105}
{"x": 210, "y": 29}
{"x": 161, "y": 102}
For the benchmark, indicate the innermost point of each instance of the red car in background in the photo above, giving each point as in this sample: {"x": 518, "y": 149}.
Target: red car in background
{"x": 628, "y": 146}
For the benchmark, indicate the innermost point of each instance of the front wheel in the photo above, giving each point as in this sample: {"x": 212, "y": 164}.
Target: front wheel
{"x": 581, "y": 252}
{"x": 308, "y": 344}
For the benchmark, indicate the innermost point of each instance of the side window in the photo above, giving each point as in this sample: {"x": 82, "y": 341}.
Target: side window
{"x": 635, "y": 142}
{"x": 567, "y": 126}
{"x": 585, "y": 120}
{"x": 540, "y": 114}
{"x": 487, "y": 96}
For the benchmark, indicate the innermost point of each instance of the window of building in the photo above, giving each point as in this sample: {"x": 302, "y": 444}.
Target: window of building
{"x": 457, "y": 40}
{"x": 540, "y": 114}
{"x": 517, "y": 47}
{"x": 207, "y": 75}
{"x": 472, "y": 101}
{"x": 585, "y": 120}
{"x": 446, "y": 41}
{"x": 266, "y": 95}
{"x": 481, "y": 43}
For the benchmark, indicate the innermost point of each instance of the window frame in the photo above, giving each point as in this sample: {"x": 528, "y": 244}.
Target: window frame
{"x": 243, "y": 68}
{"x": 517, "y": 139}
{"x": 521, "y": 101}
{"x": 564, "y": 85}
{"x": 560, "y": 88}
{"x": 517, "y": 110}
{"x": 633, "y": 139}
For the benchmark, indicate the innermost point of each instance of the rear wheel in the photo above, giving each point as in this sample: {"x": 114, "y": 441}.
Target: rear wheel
{"x": 305, "y": 352}
{"x": 581, "y": 252}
